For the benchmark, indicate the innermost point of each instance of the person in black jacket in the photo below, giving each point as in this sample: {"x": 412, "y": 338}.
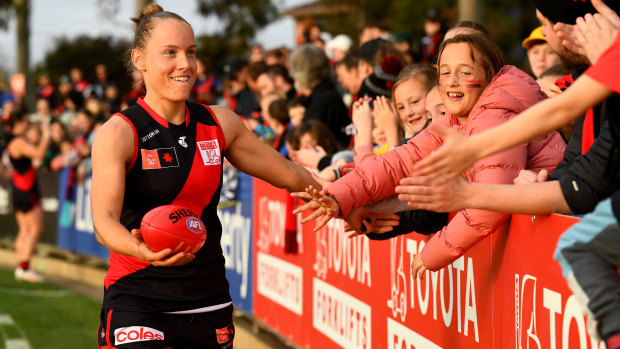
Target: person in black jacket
{"x": 313, "y": 79}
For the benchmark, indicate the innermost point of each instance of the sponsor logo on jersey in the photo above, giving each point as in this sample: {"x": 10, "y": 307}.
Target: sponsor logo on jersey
{"x": 225, "y": 334}
{"x": 150, "y": 135}
{"x": 133, "y": 334}
{"x": 182, "y": 141}
{"x": 210, "y": 152}
{"x": 159, "y": 158}
{"x": 194, "y": 225}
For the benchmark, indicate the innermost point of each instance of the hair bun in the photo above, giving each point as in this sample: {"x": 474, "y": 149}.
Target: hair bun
{"x": 147, "y": 11}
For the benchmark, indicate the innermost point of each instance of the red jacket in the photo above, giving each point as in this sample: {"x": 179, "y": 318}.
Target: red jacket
{"x": 510, "y": 92}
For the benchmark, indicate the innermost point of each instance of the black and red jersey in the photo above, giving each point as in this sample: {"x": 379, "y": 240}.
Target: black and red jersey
{"x": 25, "y": 190}
{"x": 172, "y": 164}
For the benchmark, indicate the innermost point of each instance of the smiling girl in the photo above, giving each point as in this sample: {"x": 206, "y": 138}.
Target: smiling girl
{"x": 172, "y": 300}
{"x": 479, "y": 92}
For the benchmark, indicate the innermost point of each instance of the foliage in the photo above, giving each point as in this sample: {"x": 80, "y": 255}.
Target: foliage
{"x": 218, "y": 49}
{"x": 508, "y": 21}
{"x": 6, "y": 7}
{"x": 86, "y": 52}
{"x": 241, "y": 18}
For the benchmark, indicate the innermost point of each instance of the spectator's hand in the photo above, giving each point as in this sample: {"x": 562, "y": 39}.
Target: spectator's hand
{"x": 163, "y": 258}
{"x": 421, "y": 194}
{"x": 362, "y": 221}
{"x": 310, "y": 157}
{"x": 363, "y": 121}
{"x": 596, "y": 33}
{"x": 386, "y": 117}
{"x": 417, "y": 267}
{"x": 529, "y": 177}
{"x": 593, "y": 34}
{"x": 325, "y": 206}
{"x": 567, "y": 34}
{"x": 553, "y": 90}
{"x": 450, "y": 160}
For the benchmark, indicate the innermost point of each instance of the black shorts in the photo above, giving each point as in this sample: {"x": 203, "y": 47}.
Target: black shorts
{"x": 24, "y": 201}
{"x": 125, "y": 329}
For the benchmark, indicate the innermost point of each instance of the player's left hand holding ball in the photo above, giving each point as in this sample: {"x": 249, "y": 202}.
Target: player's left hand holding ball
{"x": 163, "y": 258}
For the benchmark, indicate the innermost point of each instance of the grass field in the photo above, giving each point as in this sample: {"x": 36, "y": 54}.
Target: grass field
{"x": 43, "y": 316}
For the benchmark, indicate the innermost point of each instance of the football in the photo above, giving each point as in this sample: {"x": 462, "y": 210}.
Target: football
{"x": 175, "y": 227}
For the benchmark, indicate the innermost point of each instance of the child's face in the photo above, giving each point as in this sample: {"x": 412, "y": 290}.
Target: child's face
{"x": 409, "y": 98}
{"x": 296, "y": 114}
{"x": 378, "y": 135}
{"x": 33, "y": 135}
{"x": 435, "y": 108}
{"x": 306, "y": 141}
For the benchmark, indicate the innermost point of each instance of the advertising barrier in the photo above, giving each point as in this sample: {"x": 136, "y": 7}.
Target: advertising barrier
{"x": 506, "y": 292}
{"x": 323, "y": 289}
{"x": 75, "y": 222}
{"x": 237, "y": 244}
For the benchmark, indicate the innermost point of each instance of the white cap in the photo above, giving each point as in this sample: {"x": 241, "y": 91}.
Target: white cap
{"x": 341, "y": 41}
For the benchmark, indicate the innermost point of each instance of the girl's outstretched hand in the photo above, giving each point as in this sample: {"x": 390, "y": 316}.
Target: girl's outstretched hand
{"x": 325, "y": 206}
{"x": 417, "y": 267}
{"x": 450, "y": 160}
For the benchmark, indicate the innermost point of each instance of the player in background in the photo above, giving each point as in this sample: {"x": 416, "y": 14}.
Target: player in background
{"x": 166, "y": 150}
{"x": 26, "y": 145}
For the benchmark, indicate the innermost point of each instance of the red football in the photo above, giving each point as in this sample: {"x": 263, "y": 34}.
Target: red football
{"x": 174, "y": 227}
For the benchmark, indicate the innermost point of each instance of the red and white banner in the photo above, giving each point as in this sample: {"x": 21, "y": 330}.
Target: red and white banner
{"x": 506, "y": 292}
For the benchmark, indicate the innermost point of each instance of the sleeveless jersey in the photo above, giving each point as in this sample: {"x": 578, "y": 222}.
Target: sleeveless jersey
{"x": 24, "y": 187}
{"x": 172, "y": 164}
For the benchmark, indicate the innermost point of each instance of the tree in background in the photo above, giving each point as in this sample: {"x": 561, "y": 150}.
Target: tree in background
{"x": 241, "y": 20}
{"x": 86, "y": 52}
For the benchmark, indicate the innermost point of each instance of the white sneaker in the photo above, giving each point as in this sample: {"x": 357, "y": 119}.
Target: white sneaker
{"x": 27, "y": 275}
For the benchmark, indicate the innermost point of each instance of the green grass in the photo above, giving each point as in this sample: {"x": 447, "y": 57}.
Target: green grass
{"x": 47, "y": 316}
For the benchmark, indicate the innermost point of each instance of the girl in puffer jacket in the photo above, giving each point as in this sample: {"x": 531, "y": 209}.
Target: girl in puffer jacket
{"x": 479, "y": 92}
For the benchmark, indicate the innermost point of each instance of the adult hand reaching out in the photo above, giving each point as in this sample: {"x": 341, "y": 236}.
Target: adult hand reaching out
{"x": 592, "y": 34}
{"x": 451, "y": 159}
{"x": 596, "y": 33}
{"x": 448, "y": 196}
{"x": 325, "y": 206}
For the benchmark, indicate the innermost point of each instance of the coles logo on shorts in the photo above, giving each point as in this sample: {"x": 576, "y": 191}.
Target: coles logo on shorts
{"x": 210, "y": 152}
{"x": 194, "y": 225}
{"x": 132, "y": 334}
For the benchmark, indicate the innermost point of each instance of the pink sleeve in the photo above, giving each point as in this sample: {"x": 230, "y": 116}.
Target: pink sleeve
{"x": 376, "y": 178}
{"x": 605, "y": 70}
{"x": 362, "y": 154}
{"x": 470, "y": 226}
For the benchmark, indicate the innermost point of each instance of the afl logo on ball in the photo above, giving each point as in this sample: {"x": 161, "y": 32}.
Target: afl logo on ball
{"x": 194, "y": 225}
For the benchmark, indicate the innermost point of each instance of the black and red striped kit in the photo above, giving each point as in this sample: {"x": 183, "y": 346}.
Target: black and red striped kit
{"x": 180, "y": 165}
{"x": 24, "y": 186}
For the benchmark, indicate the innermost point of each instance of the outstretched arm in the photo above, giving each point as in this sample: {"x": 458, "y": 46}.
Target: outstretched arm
{"x": 458, "y": 194}
{"x": 247, "y": 153}
{"x": 459, "y": 152}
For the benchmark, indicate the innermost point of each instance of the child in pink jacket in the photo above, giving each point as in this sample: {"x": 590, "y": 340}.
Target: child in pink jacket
{"x": 480, "y": 92}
